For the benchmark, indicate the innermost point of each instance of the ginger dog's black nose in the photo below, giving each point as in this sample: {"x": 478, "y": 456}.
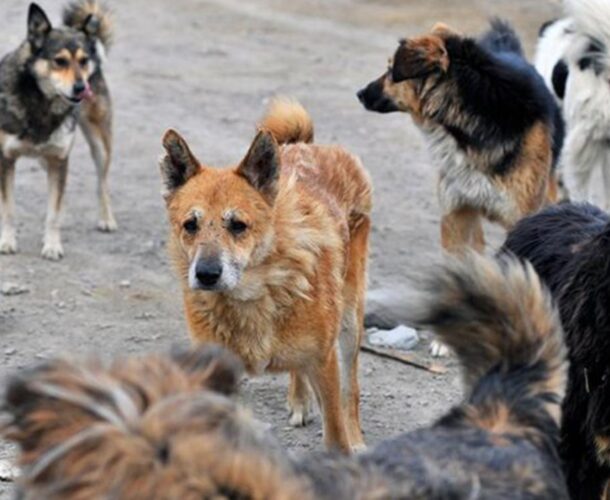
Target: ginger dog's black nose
{"x": 208, "y": 272}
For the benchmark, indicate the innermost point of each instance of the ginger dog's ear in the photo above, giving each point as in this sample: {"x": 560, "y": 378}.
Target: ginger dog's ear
{"x": 179, "y": 164}
{"x": 261, "y": 166}
{"x": 419, "y": 57}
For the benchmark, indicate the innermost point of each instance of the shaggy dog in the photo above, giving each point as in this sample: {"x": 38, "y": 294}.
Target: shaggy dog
{"x": 272, "y": 254}
{"x": 573, "y": 55}
{"x": 492, "y": 125}
{"x": 50, "y": 84}
{"x": 163, "y": 427}
{"x": 569, "y": 246}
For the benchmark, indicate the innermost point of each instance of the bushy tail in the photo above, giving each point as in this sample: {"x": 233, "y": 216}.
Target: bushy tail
{"x": 91, "y": 17}
{"x": 502, "y": 38}
{"x": 591, "y": 18}
{"x": 288, "y": 121}
{"x": 501, "y": 323}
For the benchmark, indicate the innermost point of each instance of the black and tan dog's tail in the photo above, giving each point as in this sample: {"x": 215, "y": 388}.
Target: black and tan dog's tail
{"x": 501, "y": 323}
{"x": 92, "y": 17}
{"x": 288, "y": 121}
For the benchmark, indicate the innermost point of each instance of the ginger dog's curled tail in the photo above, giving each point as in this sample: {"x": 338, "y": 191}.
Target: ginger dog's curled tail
{"x": 288, "y": 121}
{"x": 92, "y": 17}
{"x": 502, "y": 325}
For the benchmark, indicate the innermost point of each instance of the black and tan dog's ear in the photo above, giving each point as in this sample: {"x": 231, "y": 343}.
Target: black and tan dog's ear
{"x": 39, "y": 26}
{"x": 179, "y": 164}
{"x": 419, "y": 57}
{"x": 261, "y": 166}
{"x": 211, "y": 367}
{"x": 443, "y": 30}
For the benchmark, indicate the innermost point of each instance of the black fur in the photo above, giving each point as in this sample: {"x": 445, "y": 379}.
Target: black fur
{"x": 593, "y": 58}
{"x": 559, "y": 78}
{"x": 502, "y": 90}
{"x": 569, "y": 245}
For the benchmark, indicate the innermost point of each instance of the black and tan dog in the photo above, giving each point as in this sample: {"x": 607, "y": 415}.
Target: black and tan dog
{"x": 490, "y": 121}
{"x": 49, "y": 84}
{"x": 163, "y": 427}
{"x": 569, "y": 245}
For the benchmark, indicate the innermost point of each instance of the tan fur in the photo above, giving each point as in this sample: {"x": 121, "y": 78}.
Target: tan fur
{"x": 288, "y": 121}
{"x": 304, "y": 260}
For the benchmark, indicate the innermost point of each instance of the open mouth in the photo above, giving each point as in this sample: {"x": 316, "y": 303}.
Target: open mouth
{"x": 75, "y": 100}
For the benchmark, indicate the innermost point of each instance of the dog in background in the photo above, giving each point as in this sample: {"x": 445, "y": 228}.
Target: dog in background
{"x": 573, "y": 55}
{"x": 491, "y": 123}
{"x": 49, "y": 84}
{"x": 569, "y": 246}
{"x": 164, "y": 427}
{"x": 272, "y": 259}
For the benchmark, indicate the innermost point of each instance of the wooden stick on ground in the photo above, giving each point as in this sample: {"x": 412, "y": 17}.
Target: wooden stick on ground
{"x": 404, "y": 358}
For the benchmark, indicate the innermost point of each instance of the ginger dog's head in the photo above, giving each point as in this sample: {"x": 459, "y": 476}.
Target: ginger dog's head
{"x": 221, "y": 219}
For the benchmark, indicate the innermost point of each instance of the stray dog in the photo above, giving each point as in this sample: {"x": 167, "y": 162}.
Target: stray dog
{"x": 491, "y": 123}
{"x": 272, "y": 258}
{"x": 573, "y": 55}
{"x": 164, "y": 428}
{"x": 51, "y": 82}
{"x": 569, "y": 246}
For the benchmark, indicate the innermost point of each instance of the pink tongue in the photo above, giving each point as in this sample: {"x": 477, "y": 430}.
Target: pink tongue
{"x": 87, "y": 93}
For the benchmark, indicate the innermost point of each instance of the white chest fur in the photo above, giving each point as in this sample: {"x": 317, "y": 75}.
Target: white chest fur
{"x": 461, "y": 183}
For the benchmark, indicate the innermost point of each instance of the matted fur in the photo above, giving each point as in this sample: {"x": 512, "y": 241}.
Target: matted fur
{"x": 288, "y": 230}
{"x": 155, "y": 429}
{"x": 491, "y": 125}
{"x": 569, "y": 246}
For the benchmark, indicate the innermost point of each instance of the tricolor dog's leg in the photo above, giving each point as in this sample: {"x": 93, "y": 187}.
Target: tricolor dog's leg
{"x": 8, "y": 237}
{"x": 462, "y": 229}
{"x": 96, "y": 124}
{"x": 57, "y": 172}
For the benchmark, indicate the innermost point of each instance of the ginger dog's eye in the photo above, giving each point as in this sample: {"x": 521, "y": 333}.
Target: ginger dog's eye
{"x": 190, "y": 226}
{"x": 237, "y": 227}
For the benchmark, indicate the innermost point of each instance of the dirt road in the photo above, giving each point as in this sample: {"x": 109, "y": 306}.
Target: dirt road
{"x": 207, "y": 68}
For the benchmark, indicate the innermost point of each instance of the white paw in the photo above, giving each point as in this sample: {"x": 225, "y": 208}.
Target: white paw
{"x": 300, "y": 417}
{"x": 358, "y": 448}
{"x": 438, "y": 349}
{"x": 52, "y": 251}
{"x": 108, "y": 225}
{"x": 8, "y": 244}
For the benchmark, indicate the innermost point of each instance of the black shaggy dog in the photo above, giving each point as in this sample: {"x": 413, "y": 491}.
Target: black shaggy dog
{"x": 569, "y": 246}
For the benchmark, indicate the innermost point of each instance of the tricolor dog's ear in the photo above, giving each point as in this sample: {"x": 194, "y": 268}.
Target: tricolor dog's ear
{"x": 179, "y": 164}
{"x": 39, "y": 26}
{"x": 419, "y": 57}
{"x": 261, "y": 166}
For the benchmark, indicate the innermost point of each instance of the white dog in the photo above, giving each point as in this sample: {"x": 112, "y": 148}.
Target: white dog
{"x": 573, "y": 56}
